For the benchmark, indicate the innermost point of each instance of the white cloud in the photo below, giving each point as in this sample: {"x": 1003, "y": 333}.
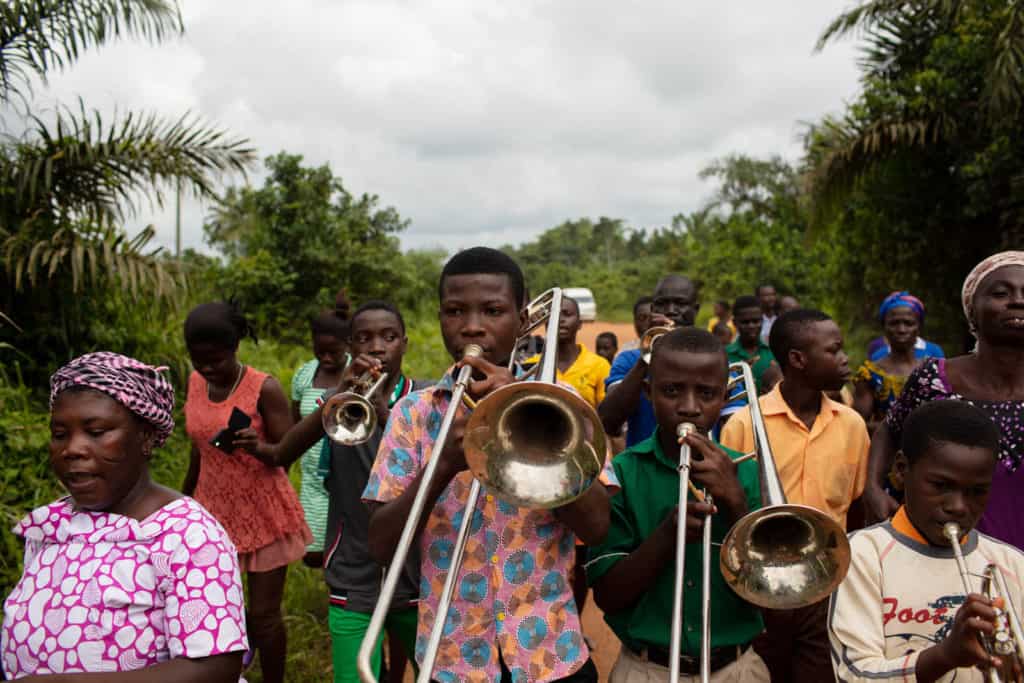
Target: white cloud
{"x": 488, "y": 121}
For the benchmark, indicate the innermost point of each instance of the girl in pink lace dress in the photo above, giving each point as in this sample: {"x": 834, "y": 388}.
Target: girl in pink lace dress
{"x": 123, "y": 577}
{"x": 255, "y": 503}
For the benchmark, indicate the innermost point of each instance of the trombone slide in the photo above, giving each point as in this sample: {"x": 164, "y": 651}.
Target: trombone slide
{"x": 675, "y": 647}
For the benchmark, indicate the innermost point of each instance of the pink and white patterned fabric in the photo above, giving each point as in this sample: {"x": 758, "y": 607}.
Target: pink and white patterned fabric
{"x": 104, "y": 592}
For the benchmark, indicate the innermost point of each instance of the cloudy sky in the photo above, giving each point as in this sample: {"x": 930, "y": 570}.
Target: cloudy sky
{"x": 488, "y": 121}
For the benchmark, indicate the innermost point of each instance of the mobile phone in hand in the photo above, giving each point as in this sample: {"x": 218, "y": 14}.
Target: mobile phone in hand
{"x": 225, "y": 438}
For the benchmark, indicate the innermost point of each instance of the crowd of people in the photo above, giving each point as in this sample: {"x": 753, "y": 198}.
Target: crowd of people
{"x": 128, "y": 580}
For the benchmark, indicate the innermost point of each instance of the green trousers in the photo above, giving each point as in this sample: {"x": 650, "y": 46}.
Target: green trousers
{"x": 348, "y": 629}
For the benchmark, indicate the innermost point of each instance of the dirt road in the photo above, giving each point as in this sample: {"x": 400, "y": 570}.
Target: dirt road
{"x": 588, "y": 334}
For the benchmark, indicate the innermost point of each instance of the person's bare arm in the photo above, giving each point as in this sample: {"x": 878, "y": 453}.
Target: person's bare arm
{"x": 879, "y": 505}
{"x": 863, "y": 400}
{"x": 296, "y": 441}
{"x": 636, "y": 573}
{"x": 224, "y": 668}
{"x": 275, "y": 410}
{"x": 188, "y": 487}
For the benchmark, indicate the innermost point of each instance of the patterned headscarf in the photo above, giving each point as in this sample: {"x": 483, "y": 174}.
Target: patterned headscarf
{"x": 978, "y": 275}
{"x": 140, "y": 388}
{"x": 898, "y": 299}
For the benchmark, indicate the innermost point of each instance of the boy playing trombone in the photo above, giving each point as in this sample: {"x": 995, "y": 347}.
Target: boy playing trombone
{"x": 632, "y": 571}
{"x": 512, "y": 615}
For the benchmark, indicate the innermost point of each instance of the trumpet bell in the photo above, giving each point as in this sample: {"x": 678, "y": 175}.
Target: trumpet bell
{"x": 785, "y": 556}
{"x": 535, "y": 444}
{"x": 349, "y": 418}
{"x": 649, "y": 338}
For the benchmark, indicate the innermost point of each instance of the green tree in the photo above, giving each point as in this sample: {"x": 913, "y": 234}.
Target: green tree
{"x": 922, "y": 174}
{"x": 293, "y": 243}
{"x": 70, "y": 179}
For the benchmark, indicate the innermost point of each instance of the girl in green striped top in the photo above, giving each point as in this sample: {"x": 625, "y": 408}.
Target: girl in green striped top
{"x": 330, "y": 348}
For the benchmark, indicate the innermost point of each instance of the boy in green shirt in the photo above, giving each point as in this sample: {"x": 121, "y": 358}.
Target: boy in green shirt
{"x": 749, "y": 347}
{"x": 632, "y": 570}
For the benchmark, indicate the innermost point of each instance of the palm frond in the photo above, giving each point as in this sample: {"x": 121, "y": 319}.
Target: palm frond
{"x": 873, "y": 13}
{"x": 1004, "y": 89}
{"x": 79, "y": 165}
{"x": 85, "y": 256}
{"x": 842, "y": 151}
{"x": 37, "y": 36}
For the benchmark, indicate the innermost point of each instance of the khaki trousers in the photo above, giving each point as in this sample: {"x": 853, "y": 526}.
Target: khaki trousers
{"x": 629, "y": 668}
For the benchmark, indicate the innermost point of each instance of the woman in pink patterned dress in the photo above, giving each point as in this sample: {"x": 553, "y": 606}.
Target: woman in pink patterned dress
{"x": 255, "y": 502}
{"x": 124, "y": 577}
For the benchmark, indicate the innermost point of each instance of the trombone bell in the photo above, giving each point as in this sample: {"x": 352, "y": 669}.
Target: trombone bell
{"x": 535, "y": 444}
{"x": 785, "y": 556}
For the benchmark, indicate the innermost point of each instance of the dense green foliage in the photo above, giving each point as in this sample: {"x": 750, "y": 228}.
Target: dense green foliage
{"x": 920, "y": 177}
{"x": 290, "y": 245}
{"x": 923, "y": 174}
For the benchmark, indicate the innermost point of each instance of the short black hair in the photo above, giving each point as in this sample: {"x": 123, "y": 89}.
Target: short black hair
{"x": 757, "y": 290}
{"x": 329, "y": 323}
{"x": 724, "y": 304}
{"x": 646, "y": 299}
{"x": 608, "y": 335}
{"x": 948, "y": 421}
{"x": 788, "y": 330}
{"x": 378, "y": 305}
{"x": 484, "y": 260}
{"x": 745, "y": 301}
{"x": 692, "y": 340}
{"x": 220, "y": 323}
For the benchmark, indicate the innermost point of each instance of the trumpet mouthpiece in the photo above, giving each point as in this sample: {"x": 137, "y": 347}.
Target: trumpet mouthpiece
{"x": 472, "y": 351}
{"x": 951, "y": 531}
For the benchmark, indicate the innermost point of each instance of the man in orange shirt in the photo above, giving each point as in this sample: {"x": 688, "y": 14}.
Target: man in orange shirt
{"x": 821, "y": 450}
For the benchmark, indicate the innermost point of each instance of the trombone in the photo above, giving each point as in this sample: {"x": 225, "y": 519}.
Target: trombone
{"x": 349, "y": 417}
{"x": 781, "y": 556}
{"x": 1007, "y": 640}
{"x": 533, "y": 444}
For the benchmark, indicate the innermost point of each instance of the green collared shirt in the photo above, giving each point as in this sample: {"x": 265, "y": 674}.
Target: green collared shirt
{"x": 759, "y": 362}
{"x": 649, "y": 490}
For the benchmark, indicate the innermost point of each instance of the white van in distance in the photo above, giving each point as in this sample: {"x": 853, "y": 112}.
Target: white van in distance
{"x": 585, "y": 298}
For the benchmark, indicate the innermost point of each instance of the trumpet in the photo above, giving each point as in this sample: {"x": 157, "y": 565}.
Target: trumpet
{"x": 533, "y": 443}
{"x": 649, "y": 338}
{"x": 349, "y": 417}
{"x": 1007, "y": 640}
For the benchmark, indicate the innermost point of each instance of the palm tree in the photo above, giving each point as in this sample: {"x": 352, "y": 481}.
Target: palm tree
{"x": 897, "y": 114}
{"x": 69, "y": 181}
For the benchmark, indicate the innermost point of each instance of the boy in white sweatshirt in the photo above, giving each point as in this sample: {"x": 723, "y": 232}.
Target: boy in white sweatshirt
{"x": 900, "y": 614}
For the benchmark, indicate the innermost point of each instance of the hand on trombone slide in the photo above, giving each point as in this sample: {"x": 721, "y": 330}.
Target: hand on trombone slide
{"x": 696, "y": 512}
{"x": 491, "y": 377}
{"x": 712, "y": 470}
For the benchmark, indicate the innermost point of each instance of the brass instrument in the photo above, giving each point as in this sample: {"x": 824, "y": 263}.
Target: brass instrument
{"x": 1007, "y": 640}
{"x": 676, "y": 632}
{"x": 781, "y": 556}
{"x": 349, "y": 417}
{"x": 650, "y": 337}
{"x": 533, "y": 443}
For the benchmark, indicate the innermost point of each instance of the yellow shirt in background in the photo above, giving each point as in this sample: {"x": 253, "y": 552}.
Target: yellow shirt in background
{"x": 825, "y": 467}
{"x": 729, "y": 324}
{"x": 586, "y": 375}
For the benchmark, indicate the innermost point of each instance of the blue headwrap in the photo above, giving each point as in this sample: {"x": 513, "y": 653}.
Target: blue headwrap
{"x": 898, "y": 299}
